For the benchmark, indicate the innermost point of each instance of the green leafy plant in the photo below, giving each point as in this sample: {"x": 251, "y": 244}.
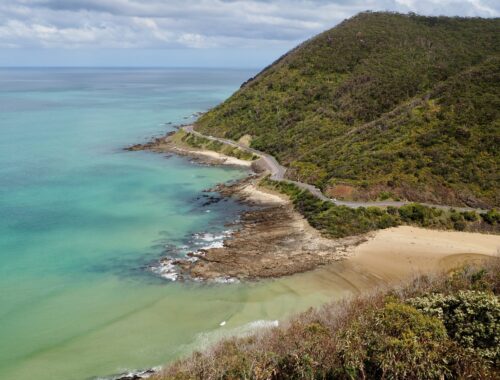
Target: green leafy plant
{"x": 471, "y": 318}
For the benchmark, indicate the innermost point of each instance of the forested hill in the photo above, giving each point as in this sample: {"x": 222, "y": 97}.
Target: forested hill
{"x": 381, "y": 106}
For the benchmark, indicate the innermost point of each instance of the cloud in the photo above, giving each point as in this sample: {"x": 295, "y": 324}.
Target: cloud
{"x": 164, "y": 24}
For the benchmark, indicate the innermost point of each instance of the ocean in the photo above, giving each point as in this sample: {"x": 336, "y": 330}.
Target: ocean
{"x": 82, "y": 222}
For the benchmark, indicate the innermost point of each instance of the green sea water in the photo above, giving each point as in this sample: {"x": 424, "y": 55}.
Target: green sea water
{"x": 82, "y": 222}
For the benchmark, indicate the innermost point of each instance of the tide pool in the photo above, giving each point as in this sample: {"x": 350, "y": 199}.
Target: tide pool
{"x": 81, "y": 221}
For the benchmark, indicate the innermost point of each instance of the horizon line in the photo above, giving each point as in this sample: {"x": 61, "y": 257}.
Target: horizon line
{"x": 133, "y": 67}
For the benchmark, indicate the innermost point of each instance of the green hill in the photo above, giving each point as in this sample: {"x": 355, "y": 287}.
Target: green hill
{"x": 381, "y": 106}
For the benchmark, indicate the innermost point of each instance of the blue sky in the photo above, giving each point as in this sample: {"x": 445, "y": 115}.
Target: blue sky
{"x": 199, "y": 33}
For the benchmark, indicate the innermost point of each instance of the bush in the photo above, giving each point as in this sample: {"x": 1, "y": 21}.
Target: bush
{"x": 491, "y": 217}
{"x": 392, "y": 210}
{"x": 407, "y": 344}
{"x": 414, "y": 213}
{"x": 471, "y": 318}
{"x": 456, "y": 217}
{"x": 459, "y": 225}
{"x": 470, "y": 216}
{"x": 384, "y": 195}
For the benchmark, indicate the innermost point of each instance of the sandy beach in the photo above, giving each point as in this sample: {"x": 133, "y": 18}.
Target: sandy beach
{"x": 397, "y": 253}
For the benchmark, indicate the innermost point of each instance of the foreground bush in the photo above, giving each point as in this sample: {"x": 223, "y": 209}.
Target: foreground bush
{"x": 433, "y": 328}
{"x": 471, "y": 318}
{"x": 396, "y": 341}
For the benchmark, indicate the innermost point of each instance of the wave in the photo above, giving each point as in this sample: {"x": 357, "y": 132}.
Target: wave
{"x": 207, "y": 339}
{"x": 199, "y": 242}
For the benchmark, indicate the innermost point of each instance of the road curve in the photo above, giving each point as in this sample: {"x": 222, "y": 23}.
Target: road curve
{"x": 278, "y": 172}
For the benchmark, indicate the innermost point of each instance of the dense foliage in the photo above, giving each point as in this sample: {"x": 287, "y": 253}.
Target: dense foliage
{"x": 381, "y": 106}
{"x": 341, "y": 221}
{"x": 471, "y": 318}
{"x": 440, "y": 328}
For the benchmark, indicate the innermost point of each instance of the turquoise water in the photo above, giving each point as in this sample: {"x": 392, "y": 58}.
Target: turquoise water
{"x": 81, "y": 221}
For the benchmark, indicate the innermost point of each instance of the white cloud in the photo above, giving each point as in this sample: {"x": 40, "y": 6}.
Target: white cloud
{"x": 195, "y": 41}
{"x": 195, "y": 23}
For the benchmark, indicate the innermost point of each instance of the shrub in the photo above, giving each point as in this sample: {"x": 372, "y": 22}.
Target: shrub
{"x": 470, "y": 216}
{"x": 407, "y": 344}
{"x": 491, "y": 217}
{"x": 456, "y": 217}
{"x": 392, "y": 210}
{"x": 396, "y": 342}
{"x": 471, "y": 318}
{"x": 384, "y": 195}
{"x": 414, "y": 213}
{"x": 459, "y": 225}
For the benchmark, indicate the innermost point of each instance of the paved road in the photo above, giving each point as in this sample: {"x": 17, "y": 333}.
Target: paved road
{"x": 278, "y": 174}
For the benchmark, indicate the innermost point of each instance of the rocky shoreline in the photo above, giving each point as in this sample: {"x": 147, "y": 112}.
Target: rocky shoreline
{"x": 270, "y": 241}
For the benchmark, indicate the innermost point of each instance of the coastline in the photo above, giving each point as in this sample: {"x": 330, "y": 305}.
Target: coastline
{"x": 273, "y": 240}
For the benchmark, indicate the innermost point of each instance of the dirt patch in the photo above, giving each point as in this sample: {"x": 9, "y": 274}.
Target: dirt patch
{"x": 340, "y": 191}
{"x": 245, "y": 140}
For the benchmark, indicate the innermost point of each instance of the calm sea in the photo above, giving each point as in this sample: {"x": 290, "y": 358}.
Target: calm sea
{"x": 81, "y": 221}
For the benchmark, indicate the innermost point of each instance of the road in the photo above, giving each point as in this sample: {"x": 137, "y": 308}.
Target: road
{"x": 278, "y": 172}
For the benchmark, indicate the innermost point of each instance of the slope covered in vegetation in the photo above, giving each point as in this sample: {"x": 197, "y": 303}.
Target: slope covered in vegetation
{"x": 445, "y": 327}
{"x": 341, "y": 221}
{"x": 383, "y": 105}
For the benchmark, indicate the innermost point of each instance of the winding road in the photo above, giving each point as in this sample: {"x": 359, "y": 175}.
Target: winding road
{"x": 278, "y": 172}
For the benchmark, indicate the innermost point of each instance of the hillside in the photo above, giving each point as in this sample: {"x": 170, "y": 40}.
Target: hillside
{"x": 381, "y": 106}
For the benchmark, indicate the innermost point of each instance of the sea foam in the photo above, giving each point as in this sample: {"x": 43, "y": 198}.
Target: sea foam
{"x": 198, "y": 243}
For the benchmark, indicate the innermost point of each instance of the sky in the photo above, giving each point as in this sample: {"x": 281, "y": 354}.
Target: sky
{"x": 184, "y": 33}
